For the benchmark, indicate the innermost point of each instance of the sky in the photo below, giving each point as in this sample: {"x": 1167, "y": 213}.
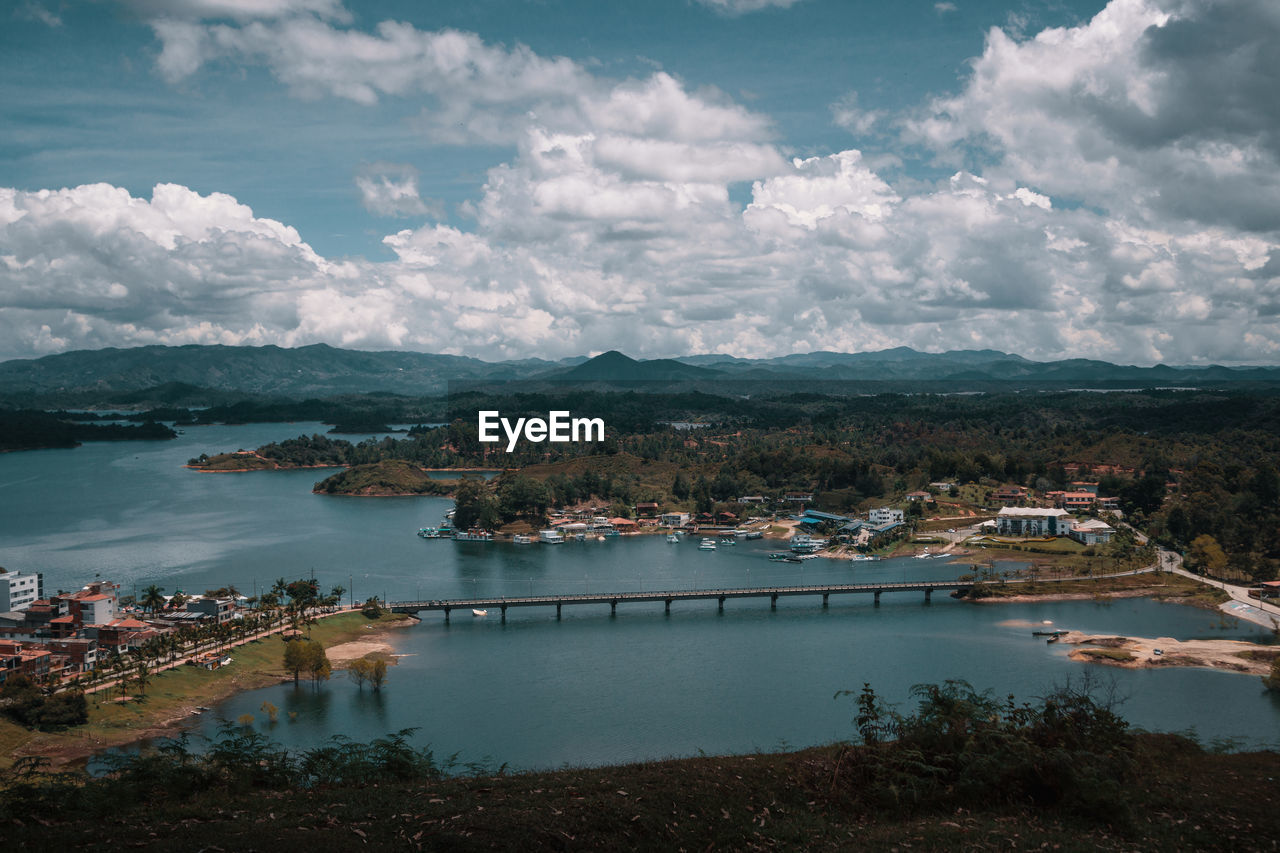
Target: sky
{"x": 548, "y": 178}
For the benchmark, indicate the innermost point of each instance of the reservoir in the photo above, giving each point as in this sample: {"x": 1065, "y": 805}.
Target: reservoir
{"x": 537, "y": 692}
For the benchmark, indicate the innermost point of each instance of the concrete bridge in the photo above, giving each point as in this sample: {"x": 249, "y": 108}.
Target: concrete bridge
{"x": 613, "y": 599}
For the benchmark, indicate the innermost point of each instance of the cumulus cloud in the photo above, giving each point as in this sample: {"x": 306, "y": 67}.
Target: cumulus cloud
{"x": 1155, "y": 109}
{"x": 391, "y": 189}
{"x": 1089, "y": 212}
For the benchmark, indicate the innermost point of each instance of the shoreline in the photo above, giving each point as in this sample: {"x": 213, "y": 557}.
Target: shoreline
{"x": 1142, "y": 653}
{"x": 76, "y": 746}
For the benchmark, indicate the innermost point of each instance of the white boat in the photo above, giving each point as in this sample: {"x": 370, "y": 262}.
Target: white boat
{"x": 475, "y": 612}
{"x": 862, "y": 558}
{"x": 522, "y": 539}
{"x": 924, "y": 555}
{"x": 671, "y": 537}
{"x": 429, "y": 532}
{"x": 550, "y": 537}
{"x": 707, "y": 545}
{"x": 473, "y": 536}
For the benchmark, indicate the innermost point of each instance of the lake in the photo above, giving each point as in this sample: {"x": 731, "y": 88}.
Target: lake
{"x": 589, "y": 688}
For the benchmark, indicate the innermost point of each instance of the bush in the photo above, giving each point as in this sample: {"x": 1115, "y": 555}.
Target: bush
{"x": 962, "y": 749}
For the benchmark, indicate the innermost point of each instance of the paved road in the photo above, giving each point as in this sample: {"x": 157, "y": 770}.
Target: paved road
{"x": 1241, "y": 605}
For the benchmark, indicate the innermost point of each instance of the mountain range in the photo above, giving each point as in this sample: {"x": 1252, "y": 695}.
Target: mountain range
{"x": 180, "y": 374}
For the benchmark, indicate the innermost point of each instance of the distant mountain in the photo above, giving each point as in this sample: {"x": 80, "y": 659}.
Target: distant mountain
{"x": 613, "y": 366}
{"x": 212, "y": 375}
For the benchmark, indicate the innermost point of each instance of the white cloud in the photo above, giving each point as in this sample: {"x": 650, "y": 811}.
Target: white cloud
{"x": 742, "y": 7}
{"x": 31, "y": 10}
{"x": 391, "y": 189}
{"x": 944, "y": 8}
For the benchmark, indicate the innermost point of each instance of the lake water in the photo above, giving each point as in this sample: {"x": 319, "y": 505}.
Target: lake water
{"x": 588, "y": 688}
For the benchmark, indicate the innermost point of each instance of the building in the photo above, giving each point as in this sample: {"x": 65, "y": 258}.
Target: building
{"x": 1009, "y": 495}
{"x": 1033, "y": 521}
{"x": 1076, "y": 500}
{"x": 674, "y": 519}
{"x": 217, "y": 610}
{"x": 1083, "y": 486}
{"x": 1092, "y": 532}
{"x": 886, "y": 515}
{"x": 23, "y": 659}
{"x": 799, "y": 497}
{"x": 919, "y": 496}
{"x": 18, "y": 590}
{"x": 646, "y": 508}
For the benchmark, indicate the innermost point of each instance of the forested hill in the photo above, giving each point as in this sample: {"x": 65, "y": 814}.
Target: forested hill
{"x": 322, "y": 371}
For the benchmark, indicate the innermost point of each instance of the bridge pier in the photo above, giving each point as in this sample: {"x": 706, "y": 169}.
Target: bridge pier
{"x": 773, "y": 601}
{"x": 878, "y": 591}
{"x": 928, "y": 593}
{"x": 504, "y": 613}
{"x": 668, "y": 607}
{"x": 613, "y": 607}
{"x": 825, "y": 596}
{"x": 557, "y": 610}
{"x": 721, "y": 607}
{"x": 446, "y": 615}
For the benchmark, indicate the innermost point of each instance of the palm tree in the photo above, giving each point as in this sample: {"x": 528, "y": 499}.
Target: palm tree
{"x": 153, "y": 598}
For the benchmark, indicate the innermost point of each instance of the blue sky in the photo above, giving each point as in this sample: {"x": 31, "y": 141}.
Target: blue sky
{"x": 509, "y": 179}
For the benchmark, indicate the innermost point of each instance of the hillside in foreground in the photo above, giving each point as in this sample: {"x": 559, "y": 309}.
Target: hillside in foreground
{"x": 1180, "y": 798}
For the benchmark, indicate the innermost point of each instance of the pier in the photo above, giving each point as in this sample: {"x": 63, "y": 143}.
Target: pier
{"x": 667, "y": 598}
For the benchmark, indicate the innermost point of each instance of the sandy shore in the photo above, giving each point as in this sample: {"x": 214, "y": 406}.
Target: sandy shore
{"x": 377, "y": 642}
{"x": 1226, "y": 655}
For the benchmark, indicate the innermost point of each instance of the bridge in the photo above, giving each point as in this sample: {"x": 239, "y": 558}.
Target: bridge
{"x": 613, "y": 599}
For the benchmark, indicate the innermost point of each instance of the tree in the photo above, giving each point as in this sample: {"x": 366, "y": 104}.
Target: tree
{"x": 1206, "y": 555}
{"x": 378, "y": 673}
{"x": 358, "y": 671}
{"x": 1272, "y": 681}
{"x": 317, "y": 662}
{"x": 295, "y": 657}
{"x": 153, "y": 598}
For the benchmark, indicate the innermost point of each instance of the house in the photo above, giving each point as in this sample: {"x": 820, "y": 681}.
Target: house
{"x": 19, "y": 590}
{"x": 1033, "y": 521}
{"x": 751, "y": 499}
{"x": 1009, "y": 495}
{"x": 647, "y": 508}
{"x": 1108, "y": 503}
{"x": 1091, "y": 532}
{"x": 919, "y": 496}
{"x": 1082, "y": 486}
{"x": 886, "y": 515}
{"x": 1076, "y": 500}
{"x": 23, "y": 659}
{"x": 674, "y": 519}
{"x": 799, "y": 497}
{"x": 216, "y": 610}
{"x": 623, "y": 524}
{"x": 942, "y": 487}
{"x": 812, "y": 516}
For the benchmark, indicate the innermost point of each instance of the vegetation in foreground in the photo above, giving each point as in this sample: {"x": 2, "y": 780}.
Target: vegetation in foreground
{"x": 961, "y": 770}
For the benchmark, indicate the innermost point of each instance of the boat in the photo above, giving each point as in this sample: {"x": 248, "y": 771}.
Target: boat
{"x": 707, "y": 545}
{"x": 924, "y": 555}
{"x": 1047, "y": 633}
{"x": 671, "y": 537}
{"x": 429, "y": 532}
{"x": 779, "y": 556}
{"x": 550, "y": 537}
{"x": 473, "y": 535}
{"x": 804, "y": 544}
{"x": 521, "y": 539}
{"x": 863, "y": 558}
{"x": 475, "y": 612}
{"x": 754, "y": 534}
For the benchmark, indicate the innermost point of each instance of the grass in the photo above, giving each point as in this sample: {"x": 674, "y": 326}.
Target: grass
{"x": 1163, "y": 586}
{"x": 1188, "y": 799}
{"x": 1119, "y": 655}
{"x": 173, "y": 693}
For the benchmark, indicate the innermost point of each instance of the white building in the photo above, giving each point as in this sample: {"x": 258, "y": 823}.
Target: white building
{"x": 885, "y": 515}
{"x": 18, "y": 590}
{"x": 1092, "y": 532}
{"x": 674, "y": 519}
{"x": 1033, "y": 521}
